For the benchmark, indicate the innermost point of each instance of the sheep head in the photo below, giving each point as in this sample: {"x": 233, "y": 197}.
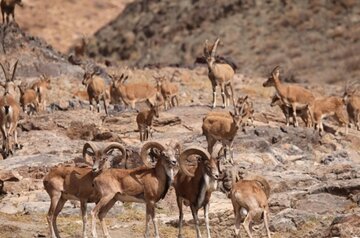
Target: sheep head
{"x": 208, "y": 162}
{"x": 274, "y": 76}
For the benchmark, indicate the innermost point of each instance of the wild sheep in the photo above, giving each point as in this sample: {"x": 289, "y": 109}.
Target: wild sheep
{"x": 219, "y": 74}
{"x": 168, "y": 91}
{"x": 223, "y": 129}
{"x": 133, "y": 92}
{"x": 9, "y": 117}
{"x": 303, "y": 112}
{"x": 64, "y": 183}
{"x": 142, "y": 185}
{"x": 8, "y": 8}
{"x": 194, "y": 189}
{"x": 329, "y": 106}
{"x": 95, "y": 87}
{"x": 292, "y": 96}
{"x": 245, "y": 109}
{"x": 250, "y": 202}
{"x": 352, "y": 103}
{"x": 144, "y": 121}
{"x": 28, "y": 100}
{"x": 41, "y": 87}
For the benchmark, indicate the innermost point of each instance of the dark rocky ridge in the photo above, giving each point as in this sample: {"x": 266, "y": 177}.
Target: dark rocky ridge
{"x": 313, "y": 40}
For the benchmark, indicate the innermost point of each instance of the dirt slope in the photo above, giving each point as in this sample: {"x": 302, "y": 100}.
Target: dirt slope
{"x": 62, "y": 22}
{"x": 313, "y": 40}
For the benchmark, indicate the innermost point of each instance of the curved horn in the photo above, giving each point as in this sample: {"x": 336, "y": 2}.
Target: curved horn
{"x": 176, "y": 145}
{"x": 115, "y": 145}
{"x": 146, "y": 147}
{"x": 14, "y": 70}
{"x": 194, "y": 150}
{"x": 213, "y": 51}
{"x": 277, "y": 68}
{"x": 5, "y": 72}
{"x": 89, "y": 145}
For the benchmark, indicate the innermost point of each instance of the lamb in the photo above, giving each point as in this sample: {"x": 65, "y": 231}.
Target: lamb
{"x": 9, "y": 116}
{"x": 144, "y": 121}
{"x": 219, "y": 74}
{"x": 329, "y": 106}
{"x": 250, "y": 202}
{"x": 293, "y": 96}
{"x": 28, "y": 100}
{"x": 64, "y": 183}
{"x": 245, "y": 109}
{"x": 8, "y": 8}
{"x": 352, "y": 102}
{"x": 134, "y": 92}
{"x": 96, "y": 89}
{"x": 142, "y": 185}
{"x": 195, "y": 189}
{"x": 168, "y": 91}
{"x": 41, "y": 87}
{"x": 223, "y": 129}
{"x": 303, "y": 112}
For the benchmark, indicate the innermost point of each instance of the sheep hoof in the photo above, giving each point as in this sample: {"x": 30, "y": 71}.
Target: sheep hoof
{"x": 18, "y": 146}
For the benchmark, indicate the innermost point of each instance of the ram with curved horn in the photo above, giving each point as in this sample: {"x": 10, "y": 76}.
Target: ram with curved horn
{"x": 146, "y": 184}
{"x": 9, "y": 114}
{"x": 195, "y": 188}
{"x": 64, "y": 183}
{"x": 220, "y": 74}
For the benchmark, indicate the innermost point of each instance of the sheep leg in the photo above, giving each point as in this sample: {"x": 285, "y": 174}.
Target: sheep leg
{"x": 246, "y": 223}
{"x": 223, "y": 95}
{"x": 357, "y": 122}
{"x": 296, "y": 124}
{"x": 181, "y": 215}
{"x": 90, "y": 102}
{"x": 94, "y": 213}
{"x": 5, "y": 136}
{"x": 266, "y": 222}
{"x": 105, "y": 106}
{"x": 175, "y": 99}
{"x": 150, "y": 214}
{"x": 237, "y": 220}
{"x": 287, "y": 115}
{"x": 3, "y": 17}
{"x": 7, "y": 19}
{"x": 98, "y": 105}
{"x": 58, "y": 209}
{"x": 206, "y": 216}
{"x": 84, "y": 217}
{"x": 50, "y": 216}
{"x": 214, "y": 96}
{"x": 194, "y": 212}
{"x": 103, "y": 211}
{"x": 232, "y": 96}
{"x": 211, "y": 142}
{"x": 17, "y": 145}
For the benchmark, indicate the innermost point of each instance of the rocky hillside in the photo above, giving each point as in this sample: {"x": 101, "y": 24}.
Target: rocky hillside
{"x": 314, "y": 41}
{"x": 315, "y": 181}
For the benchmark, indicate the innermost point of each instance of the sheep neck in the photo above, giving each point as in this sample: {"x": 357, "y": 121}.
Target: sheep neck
{"x": 205, "y": 185}
{"x": 164, "y": 174}
{"x": 280, "y": 88}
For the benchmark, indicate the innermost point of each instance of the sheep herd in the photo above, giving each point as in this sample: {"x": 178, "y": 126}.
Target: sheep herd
{"x": 101, "y": 182}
